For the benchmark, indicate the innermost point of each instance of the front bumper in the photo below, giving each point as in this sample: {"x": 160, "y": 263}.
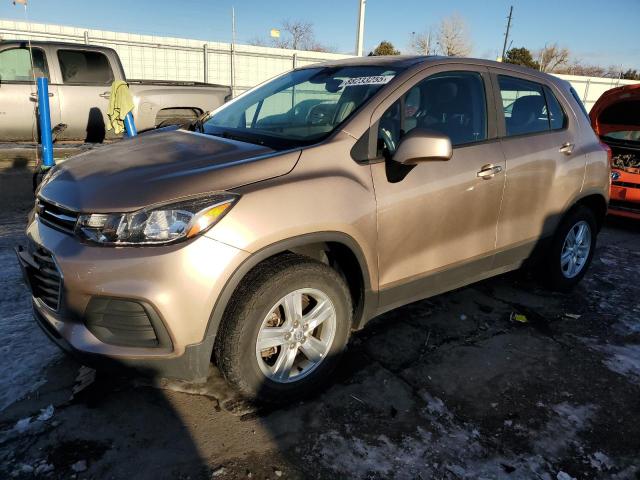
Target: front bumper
{"x": 181, "y": 283}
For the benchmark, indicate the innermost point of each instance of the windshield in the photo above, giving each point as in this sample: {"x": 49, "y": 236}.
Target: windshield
{"x": 299, "y": 108}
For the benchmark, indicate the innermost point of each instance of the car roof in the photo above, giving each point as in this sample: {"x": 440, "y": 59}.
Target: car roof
{"x": 405, "y": 62}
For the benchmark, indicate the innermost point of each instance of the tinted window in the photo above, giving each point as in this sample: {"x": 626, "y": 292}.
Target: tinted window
{"x": 81, "y": 66}
{"x": 557, "y": 118}
{"x": 15, "y": 65}
{"x": 524, "y": 106}
{"x": 451, "y": 103}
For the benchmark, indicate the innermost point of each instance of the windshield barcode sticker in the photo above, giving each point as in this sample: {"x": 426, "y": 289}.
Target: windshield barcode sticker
{"x": 375, "y": 80}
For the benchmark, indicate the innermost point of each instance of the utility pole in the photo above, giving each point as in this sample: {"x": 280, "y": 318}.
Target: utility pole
{"x": 360, "y": 31}
{"x": 506, "y": 34}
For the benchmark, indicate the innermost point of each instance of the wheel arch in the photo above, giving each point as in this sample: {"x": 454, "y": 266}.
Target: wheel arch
{"x": 597, "y": 203}
{"x": 337, "y": 249}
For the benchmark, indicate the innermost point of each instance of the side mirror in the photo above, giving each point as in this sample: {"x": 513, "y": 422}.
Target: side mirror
{"x": 422, "y": 145}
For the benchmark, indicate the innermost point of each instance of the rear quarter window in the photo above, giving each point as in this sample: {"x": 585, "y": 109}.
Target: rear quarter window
{"x": 575, "y": 96}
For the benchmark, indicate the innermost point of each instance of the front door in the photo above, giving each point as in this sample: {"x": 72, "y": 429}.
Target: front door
{"x": 437, "y": 220}
{"x": 18, "y": 94}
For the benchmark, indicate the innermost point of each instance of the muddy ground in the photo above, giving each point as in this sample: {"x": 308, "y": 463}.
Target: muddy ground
{"x": 445, "y": 388}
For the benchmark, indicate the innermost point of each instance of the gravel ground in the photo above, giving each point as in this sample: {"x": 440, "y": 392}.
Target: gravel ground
{"x": 445, "y": 388}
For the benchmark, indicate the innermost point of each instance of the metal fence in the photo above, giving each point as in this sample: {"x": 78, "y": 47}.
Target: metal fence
{"x": 152, "y": 57}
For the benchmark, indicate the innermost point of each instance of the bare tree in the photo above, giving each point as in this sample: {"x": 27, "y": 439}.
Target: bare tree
{"x": 551, "y": 58}
{"x": 453, "y": 37}
{"x": 423, "y": 43}
{"x": 299, "y": 35}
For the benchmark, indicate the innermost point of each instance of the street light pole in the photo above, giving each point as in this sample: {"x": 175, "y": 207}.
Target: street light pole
{"x": 360, "y": 32}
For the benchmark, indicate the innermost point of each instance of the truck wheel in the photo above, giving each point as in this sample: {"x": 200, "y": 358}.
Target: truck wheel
{"x": 284, "y": 329}
{"x": 572, "y": 249}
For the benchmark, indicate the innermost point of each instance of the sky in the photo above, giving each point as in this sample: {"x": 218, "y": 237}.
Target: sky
{"x": 602, "y": 32}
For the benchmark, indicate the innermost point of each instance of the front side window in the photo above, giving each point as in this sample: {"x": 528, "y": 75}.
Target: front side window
{"x": 16, "y": 66}
{"x": 452, "y": 103}
{"x": 85, "y": 67}
{"x": 299, "y": 108}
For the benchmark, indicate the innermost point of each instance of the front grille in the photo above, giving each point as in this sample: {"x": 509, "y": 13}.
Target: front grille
{"x": 625, "y": 184}
{"x": 55, "y": 216}
{"x": 46, "y": 280}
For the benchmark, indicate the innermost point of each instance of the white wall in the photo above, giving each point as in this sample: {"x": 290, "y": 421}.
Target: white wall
{"x": 168, "y": 58}
{"x": 591, "y": 88}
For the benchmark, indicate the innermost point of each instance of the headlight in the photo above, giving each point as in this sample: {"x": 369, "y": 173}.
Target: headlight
{"x": 156, "y": 225}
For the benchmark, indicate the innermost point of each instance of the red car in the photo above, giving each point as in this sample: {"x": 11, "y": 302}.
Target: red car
{"x": 616, "y": 119}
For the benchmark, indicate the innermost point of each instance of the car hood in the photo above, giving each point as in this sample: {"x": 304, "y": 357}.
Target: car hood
{"x": 160, "y": 167}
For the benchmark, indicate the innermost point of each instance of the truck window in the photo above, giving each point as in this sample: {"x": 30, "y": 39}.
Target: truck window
{"x": 85, "y": 67}
{"x": 15, "y": 65}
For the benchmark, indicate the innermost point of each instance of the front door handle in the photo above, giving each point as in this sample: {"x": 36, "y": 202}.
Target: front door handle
{"x": 105, "y": 94}
{"x": 489, "y": 171}
{"x": 567, "y": 148}
{"x": 35, "y": 95}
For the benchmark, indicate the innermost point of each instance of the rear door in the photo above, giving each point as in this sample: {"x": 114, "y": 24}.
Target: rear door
{"x": 18, "y": 93}
{"x": 545, "y": 167}
{"x": 86, "y": 77}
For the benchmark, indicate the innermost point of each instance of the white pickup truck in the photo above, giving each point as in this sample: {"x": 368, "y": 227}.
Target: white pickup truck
{"x": 80, "y": 78}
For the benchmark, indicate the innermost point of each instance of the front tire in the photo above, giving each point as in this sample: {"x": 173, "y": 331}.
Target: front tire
{"x": 284, "y": 329}
{"x": 572, "y": 249}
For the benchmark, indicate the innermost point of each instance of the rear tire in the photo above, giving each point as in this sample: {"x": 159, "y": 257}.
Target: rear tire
{"x": 300, "y": 311}
{"x": 571, "y": 250}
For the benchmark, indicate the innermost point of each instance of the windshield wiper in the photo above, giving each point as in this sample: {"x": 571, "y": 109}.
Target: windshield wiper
{"x": 238, "y": 137}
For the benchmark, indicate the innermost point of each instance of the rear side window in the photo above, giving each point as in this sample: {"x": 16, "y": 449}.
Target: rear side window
{"x": 524, "y": 106}
{"x": 16, "y": 66}
{"x": 83, "y": 66}
{"x": 557, "y": 117}
{"x": 452, "y": 103}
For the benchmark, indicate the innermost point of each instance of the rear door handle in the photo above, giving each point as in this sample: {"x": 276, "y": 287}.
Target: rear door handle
{"x": 35, "y": 95}
{"x": 567, "y": 148}
{"x": 489, "y": 171}
{"x": 105, "y": 94}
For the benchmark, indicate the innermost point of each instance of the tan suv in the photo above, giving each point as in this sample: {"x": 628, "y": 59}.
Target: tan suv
{"x": 263, "y": 236}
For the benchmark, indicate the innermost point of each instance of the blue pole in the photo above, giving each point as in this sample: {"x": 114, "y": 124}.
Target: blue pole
{"x": 130, "y": 126}
{"x": 45, "y": 122}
